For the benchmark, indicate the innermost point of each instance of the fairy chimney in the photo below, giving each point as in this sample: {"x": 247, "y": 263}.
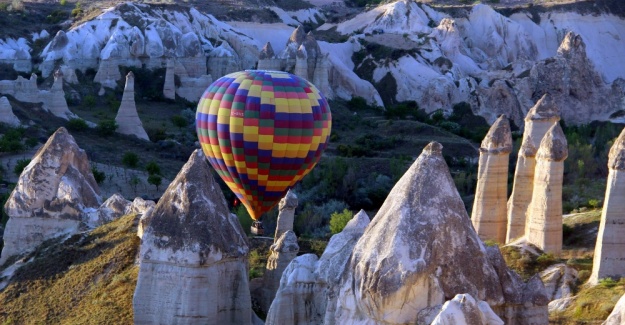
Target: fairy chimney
{"x": 544, "y": 216}
{"x": 538, "y": 120}
{"x": 6, "y": 113}
{"x": 287, "y": 207}
{"x": 609, "y": 259}
{"x": 489, "y": 207}
{"x": 169, "y": 88}
{"x": 127, "y": 118}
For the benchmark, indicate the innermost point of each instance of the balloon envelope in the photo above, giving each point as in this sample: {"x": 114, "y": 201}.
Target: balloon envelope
{"x": 262, "y": 131}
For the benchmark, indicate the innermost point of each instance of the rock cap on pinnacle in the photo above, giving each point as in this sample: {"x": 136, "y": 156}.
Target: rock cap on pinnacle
{"x": 267, "y": 52}
{"x": 499, "y": 137}
{"x": 616, "y": 158}
{"x": 298, "y": 36}
{"x": 193, "y": 217}
{"x": 553, "y": 146}
{"x": 544, "y": 109}
{"x": 286, "y": 243}
{"x": 527, "y": 147}
{"x": 289, "y": 201}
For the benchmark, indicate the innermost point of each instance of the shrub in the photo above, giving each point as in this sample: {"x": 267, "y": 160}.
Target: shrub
{"x": 130, "y": 159}
{"x": 179, "y": 121}
{"x": 607, "y": 282}
{"x": 99, "y": 176}
{"x": 583, "y": 276}
{"x": 594, "y": 203}
{"x": 77, "y": 11}
{"x": 89, "y": 101}
{"x": 338, "y": 220}
{"x": 153, "y": 168}
{"x": 20, "y": 165}
{"x": 106, "y": 127}
{"x": 76, "y": 124}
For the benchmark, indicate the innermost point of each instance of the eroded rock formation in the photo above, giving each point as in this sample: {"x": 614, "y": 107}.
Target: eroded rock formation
{"x": 55, "y": 100}
{"x": 544, "y": 216}
{"x": 191, "y": 239}
{"x": 609, "y": 258}
{"x": 617, "y": 316}
{"x": 52, "y": 197}
{"x": 113, "y": 208}
{"x": 465, "y": 310}
{"x": 127, "y": 119}
{"x": 6, "y": 113}
{"x": 421, "y": 250}
{"x": 287, "y": 207}
{"x": 489, "y": 207}
{"x": 169, "y": 87}
{"x": 537, "y": 122}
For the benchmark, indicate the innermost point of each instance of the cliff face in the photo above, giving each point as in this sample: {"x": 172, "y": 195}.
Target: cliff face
{"x": 193, "y": 260}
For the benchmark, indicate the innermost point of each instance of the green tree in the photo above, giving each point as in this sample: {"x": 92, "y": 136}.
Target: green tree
{"x": 19, "y": 167}
{"x": 155, "y": 180}
{"x": 130, "y": 159}
{"x": 338, "y": 220}
{"x": 153, "y": 168}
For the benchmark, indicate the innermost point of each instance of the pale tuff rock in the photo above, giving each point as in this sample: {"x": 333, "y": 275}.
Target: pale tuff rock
{"x": 113, "y": 208}
{"x": 295, "y": 300}
{"x": 6, "y": 113}
{"x": 559, "y": 280}
{"x": 617, "y": 317}
{"x": 55, "y": 102}
{"x": 287, "y": 207}
{"x": 489, "y": 207}
{"x": 169, "y": 87}
{"x": 191, "y": 238}
{"x": 321, "y": 76}
{"x": 24, "y": 90}
{"x": 69, "y": 75}
{"x": 609, "y": 258}
{"x": 282, "y": 252}
{"x": 52, "y": 197}
{"x": 421, "y": 250}
{"x": 267, "y": 52}
{"x": 544, "y": 215}
{"x": 499, "y": 98}
{"x": 192, "y": 89}
{"x": 292, "y": 45}
{"x": 465, "y": 310}
{"x": 334, "y": 261}
{"x": 537, "y": 122}
{"x": 140, "y": 206}
{"x": 301, "y": 63}
{"x": 127, "y": 118}
{"x": 108, "y": 73}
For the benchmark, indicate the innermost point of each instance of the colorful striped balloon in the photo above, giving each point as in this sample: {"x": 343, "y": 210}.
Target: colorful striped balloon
{"x": 262, "y": 131}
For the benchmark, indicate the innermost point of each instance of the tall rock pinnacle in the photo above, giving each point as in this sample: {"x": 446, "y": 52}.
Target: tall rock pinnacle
{"x": 489, "y": 207}
{"x": 537, "y": 122}
{"x": 544, "y": 224}
{"x": 609, "y": 259}
{"x": 193, "y": 256}
{"x": 127, "y": 118}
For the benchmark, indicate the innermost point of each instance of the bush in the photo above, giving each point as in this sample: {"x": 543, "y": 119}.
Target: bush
{"x": 607, "y": 282}
{"x": 98, "y": 175}
{"x": 19, "y": 167}
{"x": 179, "y": 121}
{"x": 583, "y": 276}
{"x": 76, "y": 124}
{"x": 130, "y": 159}
{"x": 338, "y": 220}
{"x": 153, "y": 168}
{"x": 89, "y": 101}
{"x": 155, "y": 180}
{"x": 106, "y": 127}
{"x": 77, "y": 11}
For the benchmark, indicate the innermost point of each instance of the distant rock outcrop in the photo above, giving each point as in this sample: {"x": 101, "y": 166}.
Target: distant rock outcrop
{"x": 127, "y": 118}
{"x": 537, "y": 122}
{"x": 489, "y": 207}
{"x": 609, "y": 258}
{"x": 53, "y": 196}
{"x": 544, "y": 215}
{"x": 6, "y": 113}
{"x": 421, "y": 250}
{"x": 55, "y": 100}
{"x": 193, "y": 258}
{"x": 24, "y": 90}
{"x": 169, "y": 88}
{"x": 113, "y": 208}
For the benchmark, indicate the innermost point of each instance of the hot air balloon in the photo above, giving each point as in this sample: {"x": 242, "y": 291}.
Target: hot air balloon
{"x": 262, "y": 131}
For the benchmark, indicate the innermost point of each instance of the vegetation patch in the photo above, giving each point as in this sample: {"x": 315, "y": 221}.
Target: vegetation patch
{"x": 593, "y": 304}
{"x": 87, "y": 279}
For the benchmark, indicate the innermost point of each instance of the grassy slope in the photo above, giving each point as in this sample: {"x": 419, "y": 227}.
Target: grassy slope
{"x": 88, "y": 279}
